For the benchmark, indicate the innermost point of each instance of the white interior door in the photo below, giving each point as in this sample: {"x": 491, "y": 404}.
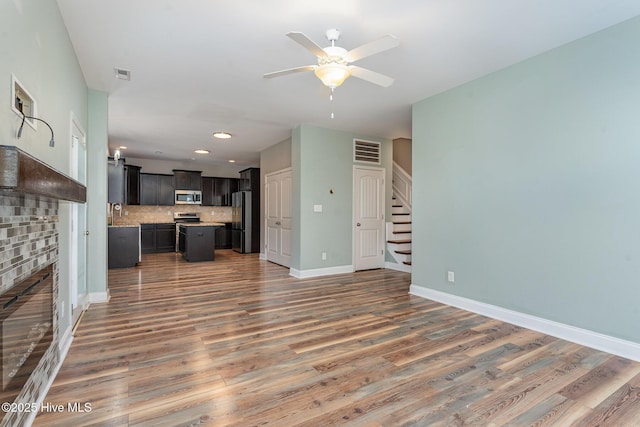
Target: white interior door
{"x": 78, "y": 262}
{"x": 368, "y": 221}
{"x": 278, "y": 217}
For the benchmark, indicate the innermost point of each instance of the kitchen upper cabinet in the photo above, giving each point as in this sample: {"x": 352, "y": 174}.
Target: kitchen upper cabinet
{"x": 132, "y": 184}
{"x": 249, "y": 179}
{"x": 217, "y": 191}
{"x": 207, "y": 191}
{"x": 222, "y": 190}
{"x": 116, "y": 181}
{"x": 166, "y": 190}
{"x": 156, "y": 189}
{"x": 187, "y": 180}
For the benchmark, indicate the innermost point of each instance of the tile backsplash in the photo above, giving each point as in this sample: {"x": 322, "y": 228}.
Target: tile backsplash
{"x": 134, "y": 214}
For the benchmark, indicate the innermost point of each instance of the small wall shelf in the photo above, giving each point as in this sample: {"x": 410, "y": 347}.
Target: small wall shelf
{"x": 22, "y": 102}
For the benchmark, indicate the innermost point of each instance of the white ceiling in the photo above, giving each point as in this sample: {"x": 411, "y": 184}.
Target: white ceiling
{"x": 197, "y": 65}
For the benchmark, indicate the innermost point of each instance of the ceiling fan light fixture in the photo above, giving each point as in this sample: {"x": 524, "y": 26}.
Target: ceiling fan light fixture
{"x": 332, "y": 75}
{"x": 202, "y": 151}
{"x": 222, "y": 135}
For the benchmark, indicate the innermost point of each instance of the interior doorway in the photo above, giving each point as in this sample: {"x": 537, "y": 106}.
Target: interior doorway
{"x": 368, "y": 218}
{"x": 78, "y": 258}
{"x": 278, "y": 217}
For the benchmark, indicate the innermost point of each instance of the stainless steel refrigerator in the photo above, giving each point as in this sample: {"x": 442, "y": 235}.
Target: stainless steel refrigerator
{"x": 241, "y": 227}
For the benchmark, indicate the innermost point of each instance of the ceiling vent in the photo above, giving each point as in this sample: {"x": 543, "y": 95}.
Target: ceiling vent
{"x": 122, "y": 74}
{"x": 366, "y": 151}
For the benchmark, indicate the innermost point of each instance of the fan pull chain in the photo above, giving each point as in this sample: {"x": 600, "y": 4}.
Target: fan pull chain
{"x": 331, "y": 100}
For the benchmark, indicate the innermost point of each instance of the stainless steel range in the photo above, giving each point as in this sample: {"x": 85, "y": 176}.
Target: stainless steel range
{"x": 182, "y": 217}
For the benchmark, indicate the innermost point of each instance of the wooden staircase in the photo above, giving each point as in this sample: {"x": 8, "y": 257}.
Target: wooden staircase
{"x": 399, "y": 228}
{"x": 399, "y": 233}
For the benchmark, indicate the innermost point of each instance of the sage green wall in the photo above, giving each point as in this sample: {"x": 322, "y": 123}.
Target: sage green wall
{"x": 35, "y": 47}
{"x": 528, "y": 186}
{"x": 322, "y": 159}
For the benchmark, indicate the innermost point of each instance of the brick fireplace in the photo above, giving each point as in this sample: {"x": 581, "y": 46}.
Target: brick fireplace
{"x": 30, "y": 192}
{"x": 29, "y": 250}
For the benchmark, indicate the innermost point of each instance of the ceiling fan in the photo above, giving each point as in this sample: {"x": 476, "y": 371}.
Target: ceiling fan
{"x": 334, "y": 62}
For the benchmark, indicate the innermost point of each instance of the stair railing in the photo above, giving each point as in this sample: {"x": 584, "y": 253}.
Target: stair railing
{"x": 401, "y": 184}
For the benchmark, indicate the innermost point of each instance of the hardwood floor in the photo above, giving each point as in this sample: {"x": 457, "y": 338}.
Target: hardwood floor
{"x": 239, "y": 342}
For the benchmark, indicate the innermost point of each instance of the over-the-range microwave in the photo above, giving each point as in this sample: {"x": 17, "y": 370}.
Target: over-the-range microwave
{"x": 188, "y": 197}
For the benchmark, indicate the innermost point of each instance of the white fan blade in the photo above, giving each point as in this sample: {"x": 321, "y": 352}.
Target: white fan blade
{"x": 307, "y": 43}
{"x": 380, "y": 45}
{"x": 290, "y": 71}
{"x": 371, "y": 76}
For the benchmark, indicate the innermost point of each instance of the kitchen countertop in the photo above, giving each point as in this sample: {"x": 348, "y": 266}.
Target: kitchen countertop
{"x": 124, "y": 225}
{"x": 203, "y": 224}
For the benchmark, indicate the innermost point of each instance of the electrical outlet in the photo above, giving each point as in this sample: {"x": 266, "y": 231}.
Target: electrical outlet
{"x": 324, "y": 256}
{"x": 450, "y": 276}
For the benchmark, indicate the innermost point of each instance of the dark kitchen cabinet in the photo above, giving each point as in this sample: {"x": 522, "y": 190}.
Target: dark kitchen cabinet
{"x": 158, "y": 238}
{"x": 223, "y": 237}
{"x": 156, "y": 189}
{"x": 207, "y": 191}
{"x": 116, "y": 181}
{"x": 165, "y": 237}
{"x": 187, "y": 180}
{"x": 123, "y": 246}
{"x": 222, "y": 190}
{"x": 217, "y": 191}
{"x": 132, "y": 184}
{"x": 197, "y": 243}
{"x": 249, "y": 179}
{"x": 148, "y": 238}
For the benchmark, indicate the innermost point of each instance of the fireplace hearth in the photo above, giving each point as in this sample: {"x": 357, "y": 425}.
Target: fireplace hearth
{"x": 26, "y": 329}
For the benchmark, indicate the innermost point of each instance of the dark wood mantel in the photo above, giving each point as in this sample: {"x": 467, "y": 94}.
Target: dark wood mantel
{"x": 22, "y": 173}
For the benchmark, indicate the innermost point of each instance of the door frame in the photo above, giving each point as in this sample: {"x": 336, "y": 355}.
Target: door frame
{"x": 383, "y": 170}
{"x": 266, "y": 210}
{"x": 76, "y": 301}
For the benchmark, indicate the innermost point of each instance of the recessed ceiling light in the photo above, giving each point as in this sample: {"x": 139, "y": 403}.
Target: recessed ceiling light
{"x": 122, "y": 147}
{"x": 232, "y": 161}
{"x": 222, "y": 135}
{"x": 201, "y": 151}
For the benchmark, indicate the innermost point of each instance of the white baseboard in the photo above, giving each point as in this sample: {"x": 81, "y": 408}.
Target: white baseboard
{"x": 315, "y": 272}
{"x": 98, "y": 297}
{"x": 263, "y": 257}
{"x": 396, "y": 266}
{"x": 609, "y": 344}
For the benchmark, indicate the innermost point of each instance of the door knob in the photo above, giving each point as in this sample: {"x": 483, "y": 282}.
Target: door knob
{"x": 358, "y": 224}
{"x": 277, "y": 222}
{"x": 86, "y": 233}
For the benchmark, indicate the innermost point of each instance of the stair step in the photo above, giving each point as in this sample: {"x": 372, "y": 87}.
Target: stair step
{"x": 401, "y": 213}
{"x": 404, "y": 252}
{"x": 401, "y": 222}
{"x": 399, "y": 241}
{"x": 396, "y": 206}
{"x": 406, "y": 262}
{"x": 402, "y": 232}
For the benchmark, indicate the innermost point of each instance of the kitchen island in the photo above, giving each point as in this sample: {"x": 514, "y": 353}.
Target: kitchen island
{"x": 196, "y": 240}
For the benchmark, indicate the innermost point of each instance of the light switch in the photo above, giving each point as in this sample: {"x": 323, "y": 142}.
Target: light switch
{"x": 317, "y": 208}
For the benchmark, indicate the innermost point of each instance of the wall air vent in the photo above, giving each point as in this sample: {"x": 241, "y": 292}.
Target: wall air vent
{"x": 366, "y": 151}
{"x": 122, "y": 74}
